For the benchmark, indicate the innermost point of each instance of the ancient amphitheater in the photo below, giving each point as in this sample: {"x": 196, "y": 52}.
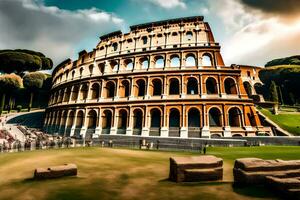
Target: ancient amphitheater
{"x": 162, "y": 79}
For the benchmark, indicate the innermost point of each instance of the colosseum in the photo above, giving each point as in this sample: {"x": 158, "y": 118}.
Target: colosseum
{"x": 162, "y": 79}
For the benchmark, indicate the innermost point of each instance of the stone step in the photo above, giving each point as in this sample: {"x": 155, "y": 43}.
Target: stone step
{"x": 283, "y": 183}
{"x": 203, "y": 174}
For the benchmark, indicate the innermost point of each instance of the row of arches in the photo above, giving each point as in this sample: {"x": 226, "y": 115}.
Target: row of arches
{"x": 140, "y": 89}
{"x": 174, "y": 60}
{"x": 156, "y": 117}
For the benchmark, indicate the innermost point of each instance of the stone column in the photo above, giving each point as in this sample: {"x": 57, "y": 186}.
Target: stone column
{"x": 84, "y": 127}
{"x": 221, "y": 91}
{"x": 116, "y": 97}
{"x": 146, "y": 127}
{"x": 131, "y": 96}
{"x": 183, "y": 92}
{"x": 147, "y": 96}
{"x": 73, "y": 127}
{"x": 129, "y": 129}
{"x": 205, "y": 130}
{"x": 99, "y": 125}
{"x": 113, "y": 130}
{"x": 164, "y": 131}
{"x": 165, "y": 88}
{"x": 183, "y": 129}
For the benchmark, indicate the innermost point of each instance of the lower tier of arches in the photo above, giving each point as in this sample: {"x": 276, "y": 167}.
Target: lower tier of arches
{"x": 182, "y": 121}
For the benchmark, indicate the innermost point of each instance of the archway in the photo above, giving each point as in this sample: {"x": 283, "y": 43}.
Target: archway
{"x": 192, "y": 86}
{"x": 92, "y": 119}
{"x": 124, "y": 88}
{"x": 211, "y": 86}
{"x": 83, "y": 92}
{"x": 175, "y": 61}
{"x": 140, "y": 87}
{"x": 174, "y": 86}
{"x": 106, "y": 122}
{"x": 75, "y": 93}
{"x": 137, "y": 122}
{"x": 215, "y": 117}
{"x": 67, "y": 95}
{"x": 155, "y": 118}
{"x": 159, "y": 62}
{"x": 174, "y": 123}
{"x": 230, "y": 86}
{"x": 206, "y": 60}
{"x": 248, "y": 88}
{"x": 194, "y": 123}
{"x": 122, "y": 121}
{"x": 190, "y": 61}
{"x": 157, "y": 87}
{"x": 95, "y": 91}
{"x": 234, "y": 117}
{"x": 110, "y": 89}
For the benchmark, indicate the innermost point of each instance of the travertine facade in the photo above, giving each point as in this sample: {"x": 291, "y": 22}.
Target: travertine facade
{"x": 163, "y": 79}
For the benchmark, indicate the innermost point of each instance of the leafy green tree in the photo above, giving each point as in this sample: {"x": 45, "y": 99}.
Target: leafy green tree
{"x": 19, "y": 61}
{"x": 32, "y": 82}
{"x": 273, "y": 92}
{"x": 8, "y": 83}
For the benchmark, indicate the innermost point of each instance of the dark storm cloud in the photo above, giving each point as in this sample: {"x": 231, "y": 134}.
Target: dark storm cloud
{"x": 285, "y": 7}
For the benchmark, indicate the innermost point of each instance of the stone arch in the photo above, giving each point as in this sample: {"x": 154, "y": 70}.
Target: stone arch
{"x": 75, "y": 92}
{"x": 194, "y": 118}
{"x": 110, "y": 89}
{"x": 124, "y": 88}
{"x": 81, "y": 71}
{"x": 67, "y": 94}
{"x": 190, "y": 60}
{"x": 156, "y": 87}
{"x": 114, "y": 65}
{"x": 248, "y": 88}
{"x": 129, "y": 64}
{"x": 215, "y": 117}
{"x": 174, "y": 86}
{"x": 174, "y": 118}
{"x": 207, "y": 60}
{"x": 92, "y": 119}
{"x": 211, "y": 86}
{"x": 156, "y": 121}
{"x": 107, "y": 121}
{"x": 95, "y": 91}
{"x": 70, "y": 120}
{"x": 79, "y": 119}
{"x": 101, "y": 67}
{"x": 91, "y": 69}
{"x": 141, "y": 87}
{"x": 258, "y": 87}
{"x": 237, "y": 135}
{"x": 174, "y": 60}
{"x": 73, "y": 74}
{"x": 189, "y": 35}
{"x": 230, "y": 86}
{"x": 138, "y": 119}
{"x": 192, "y": 86}
{"x": 84, "y": 92}
{"x": 61, "y": 96}
{"x": 144, "y": 63}
{"x": 234, "y": 117}
{"x": 159, "y": 62}
{"x": 122, "y": 121}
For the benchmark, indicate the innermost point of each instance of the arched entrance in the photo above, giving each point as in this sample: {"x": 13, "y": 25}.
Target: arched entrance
{"x": 122, "y": 122}
{"x": 215, "y": 117}
{"x": 211, "y": 86}
{"x": 230, "y": 87}
{"x": 194, "y": 123}
{"x": 137, "y": 122}
{"x": 192, "y": 86}
{"x": 174, "y": 123}
{"x": 106, "y": 122}
{"x": 155, "y": 124}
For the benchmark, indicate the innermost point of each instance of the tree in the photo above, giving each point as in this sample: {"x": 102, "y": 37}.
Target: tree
{"x": 32, "y": 82}
{"x": 273, "y": 92}
{"x": 18, "y": 61}
{"x": 8, "y": 83}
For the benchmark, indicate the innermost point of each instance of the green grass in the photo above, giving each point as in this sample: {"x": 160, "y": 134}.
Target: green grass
{"x": 288, "y": 121}
{"x": 125, "y": 174}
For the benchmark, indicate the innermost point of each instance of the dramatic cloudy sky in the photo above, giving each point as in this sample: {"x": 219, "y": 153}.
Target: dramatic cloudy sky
{"x": 250, "y": 31}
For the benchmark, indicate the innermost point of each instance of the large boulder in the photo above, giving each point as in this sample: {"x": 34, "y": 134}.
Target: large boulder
{"x": 196, "y": 168}
{"x": 281, "y": 176}
{"x": 55, "y": 171}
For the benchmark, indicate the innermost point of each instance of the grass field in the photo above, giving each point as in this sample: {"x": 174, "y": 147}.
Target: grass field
{"x": 288, "y": 121}
{"x": 125, "y": 174}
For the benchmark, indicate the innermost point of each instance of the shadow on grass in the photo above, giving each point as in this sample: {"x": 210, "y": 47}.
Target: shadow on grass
{"x": 258, "y": 191}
